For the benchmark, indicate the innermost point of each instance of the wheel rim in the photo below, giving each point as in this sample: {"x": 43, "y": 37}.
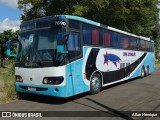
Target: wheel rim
{"x": 95, "y": 83}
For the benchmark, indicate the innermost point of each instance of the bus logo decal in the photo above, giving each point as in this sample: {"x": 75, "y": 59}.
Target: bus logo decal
{"x": 111, "y": 57}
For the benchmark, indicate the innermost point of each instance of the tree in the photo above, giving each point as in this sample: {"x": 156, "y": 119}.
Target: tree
{"x": 135, "y": 16}
{"x": 156, "y": 38}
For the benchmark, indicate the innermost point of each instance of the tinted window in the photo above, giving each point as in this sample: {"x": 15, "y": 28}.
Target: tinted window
{"x": 133, "y": 43}
{"x": 92, "y": 35}
{"x": 113, "y": 39}
{"x": 147, "y": 46}
{"x": 95, "y": 36}
{"x": 151, "y": 47}
{"x": 43, "y": 24}
{"x": 107, "y": 38}
{"x": 73, "y": 45}
{"x": 120, "y": 40}
{"x": 25, "y": 27}
{"x": 142, "y": 45}
{"x": 73, "y": 42}
{"x": 123, "y": 41}
{"x": 74, "y": 24}
{"x": 126, "y": 42}
{"x": 87, "y": 35}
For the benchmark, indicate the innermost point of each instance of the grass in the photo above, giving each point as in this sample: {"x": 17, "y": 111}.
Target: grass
{"x": 157, "y": 62}
{"x": 157, "y": 65}
{"x": 7, "y": 84}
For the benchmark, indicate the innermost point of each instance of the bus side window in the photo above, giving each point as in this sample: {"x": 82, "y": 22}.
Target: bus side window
{"x": 151, "y": 47}
{"x": 133, "y": 43}
{"x": 107, "y": 38}
{"x": 87, "y": 35}
{"x": 95, "y": 37}
{"x": 126, "y": 42}
{"x": 123, "y": 41}
{"x": 73, "y": 42}
{"x": 114, "y": 39}
{"x": 147, "y": 45}
{"x": 120, "y": 41}
{"x": 142, "y": 45}
{"x": 74, "y": 49}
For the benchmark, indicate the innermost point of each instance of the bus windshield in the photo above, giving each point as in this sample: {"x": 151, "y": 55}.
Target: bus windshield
{"x": 40, "y": 45}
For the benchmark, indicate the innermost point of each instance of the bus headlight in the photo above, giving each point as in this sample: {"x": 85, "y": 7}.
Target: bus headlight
{"x": 19, "y": 79}
{"x": 45, "y": 81}
{"x": 53, "y": 80}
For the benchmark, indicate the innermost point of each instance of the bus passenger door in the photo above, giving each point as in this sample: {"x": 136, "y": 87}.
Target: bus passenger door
{"x": 74, "y": 54}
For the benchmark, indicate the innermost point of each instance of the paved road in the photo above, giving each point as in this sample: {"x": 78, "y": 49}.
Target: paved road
{"x": 135, "y": 95}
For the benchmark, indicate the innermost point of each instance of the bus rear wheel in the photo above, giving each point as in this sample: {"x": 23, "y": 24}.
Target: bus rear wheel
{"x": 95, "y": 84}
{"x": 142, "y": 72}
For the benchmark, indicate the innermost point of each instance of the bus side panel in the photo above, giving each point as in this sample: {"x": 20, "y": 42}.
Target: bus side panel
{"x": 69, "y": 82}
{"x": 152, "y": 63}
{"x": 76, "y": 82}
{"x": 149, "y": 60}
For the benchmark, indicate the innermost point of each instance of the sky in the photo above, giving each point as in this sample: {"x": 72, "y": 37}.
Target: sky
{"x": 9, "y": 15}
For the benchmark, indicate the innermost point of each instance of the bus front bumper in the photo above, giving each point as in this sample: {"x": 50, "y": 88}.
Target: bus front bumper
{"x": 57, "y": 91}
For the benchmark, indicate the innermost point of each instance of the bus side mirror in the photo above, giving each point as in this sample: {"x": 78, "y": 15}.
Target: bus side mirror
{"x": 66, "y": 38}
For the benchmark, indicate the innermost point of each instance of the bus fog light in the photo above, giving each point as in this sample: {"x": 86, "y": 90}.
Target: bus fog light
{"x": 50, "y": 81}
{"x": 56, "y": 90}
{"x": 45, "y": 81}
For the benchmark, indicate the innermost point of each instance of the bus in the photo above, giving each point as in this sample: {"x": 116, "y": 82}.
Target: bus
{"x": 65, "y": 55}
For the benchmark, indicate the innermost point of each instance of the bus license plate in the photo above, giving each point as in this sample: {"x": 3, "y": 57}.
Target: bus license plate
{"x": 31, "y": 89}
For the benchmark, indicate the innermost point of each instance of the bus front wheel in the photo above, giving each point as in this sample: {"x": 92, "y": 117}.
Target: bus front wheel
{"x": 95, "y": 84}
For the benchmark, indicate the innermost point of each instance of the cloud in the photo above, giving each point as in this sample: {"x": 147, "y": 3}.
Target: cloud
{"x": 7, "y": 24}
{"x": 10, "y": 3}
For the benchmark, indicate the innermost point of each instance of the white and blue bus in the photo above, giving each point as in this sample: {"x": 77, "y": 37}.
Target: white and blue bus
{"x": 66, "y": 55}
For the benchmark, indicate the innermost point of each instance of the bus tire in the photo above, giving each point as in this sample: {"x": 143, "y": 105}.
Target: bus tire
{"x": 21, "y": 95}
{"x": 95, "y": 84}
{"x": 142, "y": 72}
{"x": 147, "y": 71}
